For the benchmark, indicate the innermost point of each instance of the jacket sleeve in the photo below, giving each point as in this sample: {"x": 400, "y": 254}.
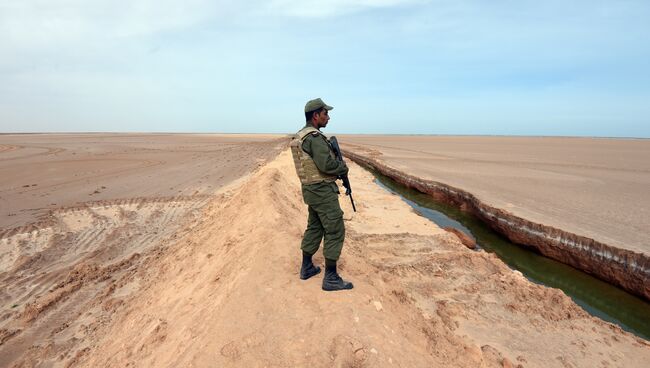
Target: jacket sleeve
{"x": 319, "y": 150}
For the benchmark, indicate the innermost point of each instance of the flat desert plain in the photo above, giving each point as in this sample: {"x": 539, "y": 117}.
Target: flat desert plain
{"x": 43, "y": 172}
{"x": 594, "y": 187}
{"x": 189, "y": 257}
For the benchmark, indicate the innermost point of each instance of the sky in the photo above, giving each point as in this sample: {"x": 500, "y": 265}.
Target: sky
{"x": 499, "y": 67}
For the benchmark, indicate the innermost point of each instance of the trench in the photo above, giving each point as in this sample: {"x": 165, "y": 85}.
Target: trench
{"x": 595, "y": 296}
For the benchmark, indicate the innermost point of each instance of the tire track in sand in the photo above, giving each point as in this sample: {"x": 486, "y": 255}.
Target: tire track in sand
{"x": 67, "y": 254}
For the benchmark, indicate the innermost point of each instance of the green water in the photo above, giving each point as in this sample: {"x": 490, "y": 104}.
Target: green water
{"x": 593, "y": 295}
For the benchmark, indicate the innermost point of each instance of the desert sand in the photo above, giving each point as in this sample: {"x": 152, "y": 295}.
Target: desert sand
{"x": 216, "y": 284}
{"x": 592, "y": 187}
{"x": 43, "y": 172}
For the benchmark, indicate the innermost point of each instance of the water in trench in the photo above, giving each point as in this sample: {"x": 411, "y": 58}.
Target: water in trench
{"x": 593, "y": 295}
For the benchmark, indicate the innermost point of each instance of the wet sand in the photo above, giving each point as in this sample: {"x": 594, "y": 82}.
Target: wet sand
{"x": 213, "y": 281}
{"x": 592, "y": 187}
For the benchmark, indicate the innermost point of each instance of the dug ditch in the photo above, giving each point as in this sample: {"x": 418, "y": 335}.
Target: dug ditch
{"x": 595, "y": 296}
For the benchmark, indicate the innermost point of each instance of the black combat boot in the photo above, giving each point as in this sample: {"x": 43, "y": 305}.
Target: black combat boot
{"x": 308, "y": 269}
{"x": 332, "y": 281}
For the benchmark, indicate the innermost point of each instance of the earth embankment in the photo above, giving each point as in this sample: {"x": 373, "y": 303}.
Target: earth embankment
{"x": 223, "y": 290}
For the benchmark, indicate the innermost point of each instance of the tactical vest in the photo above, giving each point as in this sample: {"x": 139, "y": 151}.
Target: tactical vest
{"x": 305, "y": 166}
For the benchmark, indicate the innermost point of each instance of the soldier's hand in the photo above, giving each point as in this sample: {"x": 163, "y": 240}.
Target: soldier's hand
{"x": 346, "y": 168}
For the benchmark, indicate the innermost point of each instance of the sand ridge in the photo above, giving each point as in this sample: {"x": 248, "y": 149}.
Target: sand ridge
{"x": 65, "y": 262}
{"x": 224, "y": 291}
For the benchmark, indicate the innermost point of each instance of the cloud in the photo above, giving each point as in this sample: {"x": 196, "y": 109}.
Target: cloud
{"x": 41, "y": 34}
{"x": 206, "y": 61}
{"x": 329, "y": 8}
{"x": 37, "y": 23}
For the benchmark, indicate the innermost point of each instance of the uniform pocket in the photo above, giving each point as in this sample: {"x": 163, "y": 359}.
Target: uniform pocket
{"x": 332, "y": 217}
{"x": 334, "y": 214}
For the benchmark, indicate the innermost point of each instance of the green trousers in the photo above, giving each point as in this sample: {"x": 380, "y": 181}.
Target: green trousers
{"x": 325, "y": 221}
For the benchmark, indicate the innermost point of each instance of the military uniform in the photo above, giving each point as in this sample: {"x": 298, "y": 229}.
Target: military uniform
{"x": 318, "y": 169}
{"x": 321, "y": 196}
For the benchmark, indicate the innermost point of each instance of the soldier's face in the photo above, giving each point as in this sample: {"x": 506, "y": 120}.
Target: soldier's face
{"x": 322, "y": 118}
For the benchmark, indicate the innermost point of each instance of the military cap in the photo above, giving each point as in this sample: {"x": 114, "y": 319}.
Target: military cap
{"x": 316, "y": 104}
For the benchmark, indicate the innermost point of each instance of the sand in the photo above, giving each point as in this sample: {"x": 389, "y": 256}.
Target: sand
{"x": 220, "y": 287}
{"x": 72, "y": 204}
{"x": 43, "y": 172}
{"x": 592, "y": 187}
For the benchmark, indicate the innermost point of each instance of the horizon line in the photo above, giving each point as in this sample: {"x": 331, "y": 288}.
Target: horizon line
{"x": 382, "y": 134}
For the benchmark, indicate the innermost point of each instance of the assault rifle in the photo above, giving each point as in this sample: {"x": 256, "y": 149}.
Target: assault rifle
{"x": 346, "y": 181}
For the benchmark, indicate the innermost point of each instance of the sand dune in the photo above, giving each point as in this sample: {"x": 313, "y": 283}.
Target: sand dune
{"x": 221, "y": 289}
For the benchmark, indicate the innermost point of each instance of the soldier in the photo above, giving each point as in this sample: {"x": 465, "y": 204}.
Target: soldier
{"x": 318, "y": 169}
